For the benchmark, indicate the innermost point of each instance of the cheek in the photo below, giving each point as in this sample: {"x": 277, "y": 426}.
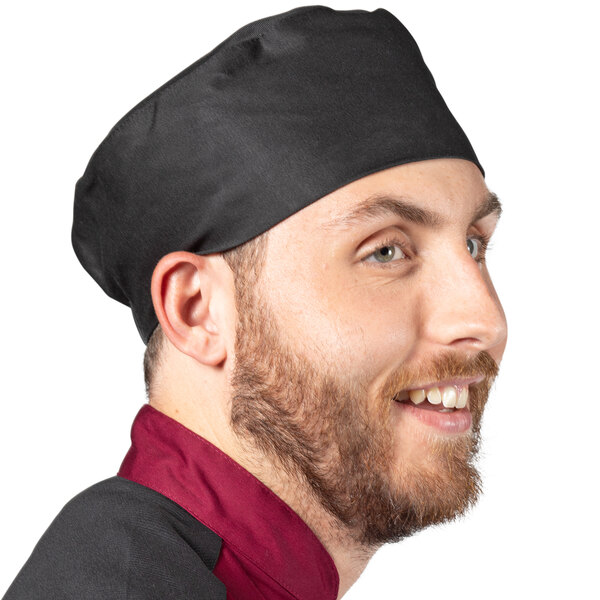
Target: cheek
{"x": 354, "y": 325}
{"x": 361, "y": 330}
{"x": 379, "y": 346}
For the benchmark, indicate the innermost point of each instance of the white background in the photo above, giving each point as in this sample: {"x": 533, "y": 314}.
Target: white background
{"x": 521, "y": 78}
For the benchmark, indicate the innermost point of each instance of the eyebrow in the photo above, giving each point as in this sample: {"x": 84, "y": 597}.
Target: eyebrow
{"x": 378, "y": 206}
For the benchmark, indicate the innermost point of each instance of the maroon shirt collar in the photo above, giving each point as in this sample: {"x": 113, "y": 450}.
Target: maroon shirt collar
{"x": 254, "y": 522}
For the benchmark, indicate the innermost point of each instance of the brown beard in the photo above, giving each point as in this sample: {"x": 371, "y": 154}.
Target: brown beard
{"x": 322, "y": 430}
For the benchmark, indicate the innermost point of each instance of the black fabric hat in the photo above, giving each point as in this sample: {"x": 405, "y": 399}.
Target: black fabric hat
{"x": 283, "y": 112}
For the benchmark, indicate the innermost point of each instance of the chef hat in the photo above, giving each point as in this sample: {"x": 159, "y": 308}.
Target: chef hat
{"x": 283, "y": 112}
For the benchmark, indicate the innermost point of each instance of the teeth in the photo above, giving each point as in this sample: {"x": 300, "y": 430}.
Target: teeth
{"x": 434, "y": 396}
{"x": 417, "y": 396}
{"x": 449, "y": 397}
{"x": 461, "y": 402}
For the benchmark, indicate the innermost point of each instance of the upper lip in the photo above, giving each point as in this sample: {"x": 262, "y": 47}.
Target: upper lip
{"x": 458, "y": 382}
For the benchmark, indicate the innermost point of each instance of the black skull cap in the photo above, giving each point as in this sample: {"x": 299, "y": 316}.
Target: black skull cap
{"x": 283, "y": 112}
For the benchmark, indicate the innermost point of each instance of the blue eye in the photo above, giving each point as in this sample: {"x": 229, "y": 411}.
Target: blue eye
{"x": 387, "y": 253}
{"x": 476, "y": 246}
{"x": 473, "y": 246}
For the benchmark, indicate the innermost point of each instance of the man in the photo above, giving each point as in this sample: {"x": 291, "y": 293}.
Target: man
{"x": 299, "y": 226}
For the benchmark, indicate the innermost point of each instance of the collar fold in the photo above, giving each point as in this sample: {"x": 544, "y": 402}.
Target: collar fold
{"x": 255, "y": 523}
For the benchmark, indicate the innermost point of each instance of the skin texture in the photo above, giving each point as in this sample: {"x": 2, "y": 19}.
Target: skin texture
{"x": 325, "y": 339}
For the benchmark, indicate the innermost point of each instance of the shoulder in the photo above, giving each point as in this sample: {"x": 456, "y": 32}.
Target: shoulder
{"x": 121, "y": 540}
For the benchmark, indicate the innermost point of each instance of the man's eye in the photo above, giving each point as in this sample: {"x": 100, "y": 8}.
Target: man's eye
{"x": 476, "y": 246}
{"x": 389, "y": 252}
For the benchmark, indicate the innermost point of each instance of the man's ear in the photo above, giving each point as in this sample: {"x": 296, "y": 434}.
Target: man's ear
{"x": 185, "y": 288}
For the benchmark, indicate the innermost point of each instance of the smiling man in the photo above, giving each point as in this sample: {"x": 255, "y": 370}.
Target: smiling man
{"x": 299, "y": 226}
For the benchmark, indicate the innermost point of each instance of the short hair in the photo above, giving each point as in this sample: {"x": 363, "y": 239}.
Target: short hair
{"x": 246, "y": 262}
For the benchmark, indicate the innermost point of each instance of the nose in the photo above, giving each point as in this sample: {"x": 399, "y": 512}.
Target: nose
{"x": 461, "y": 309}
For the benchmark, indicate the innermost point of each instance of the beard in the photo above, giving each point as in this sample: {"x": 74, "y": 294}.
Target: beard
{"x": 322, "y": 430}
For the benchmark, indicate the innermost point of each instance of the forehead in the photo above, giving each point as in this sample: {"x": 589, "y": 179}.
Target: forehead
{"x": 433, "y": 193}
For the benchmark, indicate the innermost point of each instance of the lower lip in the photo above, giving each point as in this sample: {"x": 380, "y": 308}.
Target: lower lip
{"x": 457, "y": 421}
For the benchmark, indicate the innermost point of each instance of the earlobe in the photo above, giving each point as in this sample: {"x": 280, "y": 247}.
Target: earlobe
{"x": 183, "y": 286}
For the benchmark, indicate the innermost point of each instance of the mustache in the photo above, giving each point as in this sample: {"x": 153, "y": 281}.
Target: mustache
{"x": 444, "y": 366}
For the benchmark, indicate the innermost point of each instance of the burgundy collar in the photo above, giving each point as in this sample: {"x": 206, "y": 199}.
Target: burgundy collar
{"x": 249, "y": 517}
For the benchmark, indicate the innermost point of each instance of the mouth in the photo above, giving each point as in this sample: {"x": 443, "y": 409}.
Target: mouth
{"x": 442, "y": 405}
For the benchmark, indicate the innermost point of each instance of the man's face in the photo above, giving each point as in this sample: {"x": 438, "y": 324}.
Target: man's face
{"x": 362, "y": 299}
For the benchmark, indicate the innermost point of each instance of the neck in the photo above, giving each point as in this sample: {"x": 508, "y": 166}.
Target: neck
{"x": 209, "y": 418}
